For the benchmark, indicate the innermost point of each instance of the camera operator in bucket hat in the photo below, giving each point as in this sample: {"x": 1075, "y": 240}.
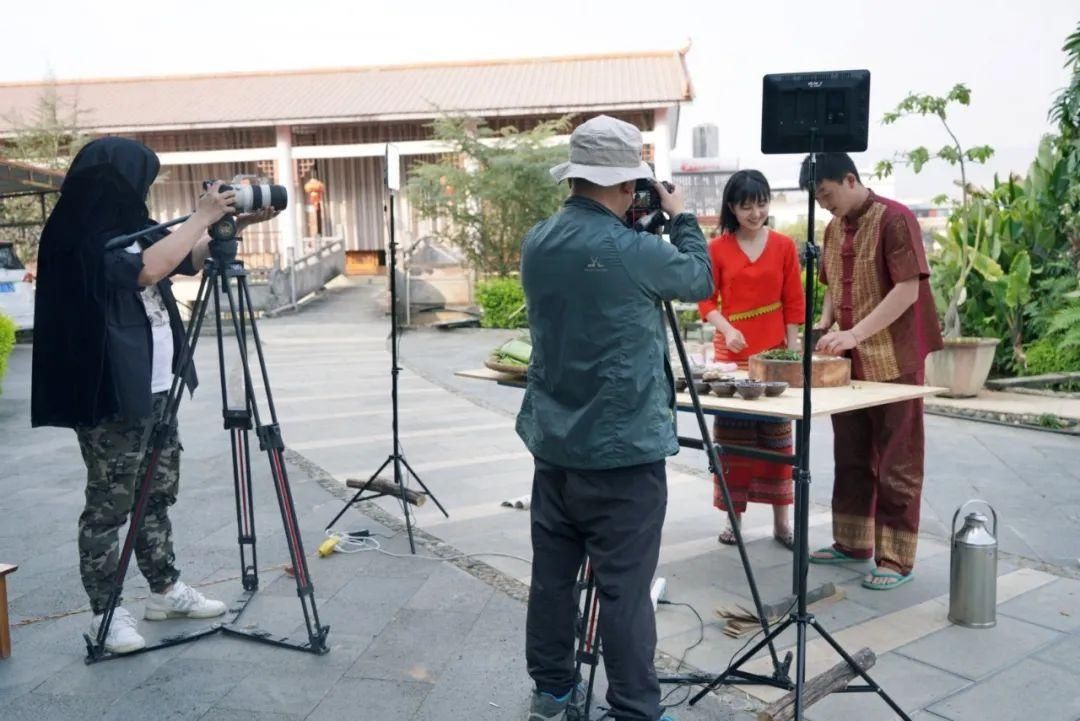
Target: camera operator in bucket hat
{"x": 599, "y": 415}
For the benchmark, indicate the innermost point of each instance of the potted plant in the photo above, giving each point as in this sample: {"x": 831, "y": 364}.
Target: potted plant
{"x": 964, "y": 363}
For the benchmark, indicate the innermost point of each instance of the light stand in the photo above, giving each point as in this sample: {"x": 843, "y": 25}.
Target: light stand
{"x": 812, "y": 113}
{"x": 396, "y": 457}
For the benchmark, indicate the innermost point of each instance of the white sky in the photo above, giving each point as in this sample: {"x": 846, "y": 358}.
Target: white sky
{"x": 1008, "y": 52}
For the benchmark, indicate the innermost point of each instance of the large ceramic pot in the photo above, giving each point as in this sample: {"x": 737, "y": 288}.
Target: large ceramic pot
{"x": 962, "y": 366}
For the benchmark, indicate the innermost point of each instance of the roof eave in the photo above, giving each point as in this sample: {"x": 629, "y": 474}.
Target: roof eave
{"x": 374, "y": 118}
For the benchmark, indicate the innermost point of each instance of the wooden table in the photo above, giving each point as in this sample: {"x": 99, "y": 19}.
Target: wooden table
{"x": 5, "y": 629}
{"x": 787, "y": 406}
{"x": 824, "y": 401}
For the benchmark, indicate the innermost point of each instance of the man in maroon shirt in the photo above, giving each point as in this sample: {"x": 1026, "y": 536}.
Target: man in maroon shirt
{"x": 874, "y": 265}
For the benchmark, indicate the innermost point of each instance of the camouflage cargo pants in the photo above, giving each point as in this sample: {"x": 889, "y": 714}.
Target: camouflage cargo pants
{"x": 113, "y": 453}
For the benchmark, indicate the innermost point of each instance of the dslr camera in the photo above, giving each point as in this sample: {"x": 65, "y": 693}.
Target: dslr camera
{"x": 645, "y": 213}
{"x": 250, "y": 196}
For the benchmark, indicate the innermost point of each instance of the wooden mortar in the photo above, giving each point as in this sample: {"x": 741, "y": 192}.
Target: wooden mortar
{"x": 826, "y": 371}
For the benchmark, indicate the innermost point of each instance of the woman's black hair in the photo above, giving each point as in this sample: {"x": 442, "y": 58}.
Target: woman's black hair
{"x": 745, "y": 185}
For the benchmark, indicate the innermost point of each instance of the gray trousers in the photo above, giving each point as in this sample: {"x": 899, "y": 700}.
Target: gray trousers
{"x": 614, "y": 517}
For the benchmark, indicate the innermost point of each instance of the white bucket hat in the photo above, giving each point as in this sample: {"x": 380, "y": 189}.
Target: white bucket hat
{"x": 604, "y": 151}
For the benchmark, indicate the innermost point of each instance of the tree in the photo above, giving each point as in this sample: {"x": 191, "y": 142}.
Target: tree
{"x": 965, "y": 240}
{"x": 50, "y": 138}
{"x": 1065, "y": 111}
{"x": 953, "y": 153}
{"x": 1066, "y": 108}
{"x": 491, "y": 190}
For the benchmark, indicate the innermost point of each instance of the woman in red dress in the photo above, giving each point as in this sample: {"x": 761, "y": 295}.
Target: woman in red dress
{"x": 758, "y": 306}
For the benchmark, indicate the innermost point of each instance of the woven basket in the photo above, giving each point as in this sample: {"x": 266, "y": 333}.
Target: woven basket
{"x": 493, "y": 363}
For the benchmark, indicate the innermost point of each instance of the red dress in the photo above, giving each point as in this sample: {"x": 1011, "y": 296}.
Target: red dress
{"x": 760, "y": 299}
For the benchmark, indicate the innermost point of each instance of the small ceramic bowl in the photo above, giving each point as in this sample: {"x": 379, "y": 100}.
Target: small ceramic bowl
{"x": 775, "y": 388}
{"x": 723, "y": 387}
{"x": 680, "y": 384}
{"x": 749, "y": 390}
{"x": 701, "y": 387}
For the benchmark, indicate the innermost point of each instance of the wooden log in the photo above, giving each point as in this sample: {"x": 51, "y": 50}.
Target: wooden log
{"x": 817, "y": 688}
{"x": 5, "y": 628}
{"x": 382, "y": 485}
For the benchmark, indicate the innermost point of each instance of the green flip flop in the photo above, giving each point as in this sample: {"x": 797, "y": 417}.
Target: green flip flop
{"x": 835, "y": 556}
{"x": 896, "y": 580}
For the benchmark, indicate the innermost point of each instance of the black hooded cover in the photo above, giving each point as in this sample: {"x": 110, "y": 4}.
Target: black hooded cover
{"x": 92, "y": 344}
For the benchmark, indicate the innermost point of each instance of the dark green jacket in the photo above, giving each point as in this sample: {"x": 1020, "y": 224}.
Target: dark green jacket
{"x": 600, "y": 391}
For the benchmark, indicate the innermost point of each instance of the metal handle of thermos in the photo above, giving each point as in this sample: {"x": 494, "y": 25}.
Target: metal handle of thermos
{"x": 952, "y": 528}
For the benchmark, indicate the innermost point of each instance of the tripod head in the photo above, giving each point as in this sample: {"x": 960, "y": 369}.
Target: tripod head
{"x": 225, "y": 229}
{"x": 223, "y": 252}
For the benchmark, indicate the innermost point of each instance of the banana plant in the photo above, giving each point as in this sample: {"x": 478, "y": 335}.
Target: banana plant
{"x": 963, "y": 248}
{"x": 1012, "y": 293}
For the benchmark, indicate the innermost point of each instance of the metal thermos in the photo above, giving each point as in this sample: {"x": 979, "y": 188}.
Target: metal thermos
{"x": 973, "y": 570}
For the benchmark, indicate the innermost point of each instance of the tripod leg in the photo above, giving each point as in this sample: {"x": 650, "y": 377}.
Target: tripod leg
{"x": 270, "y": 440}
{"x": 716, "y": 682}
{"x": 427, "y": 491}
{"x": 359, "y": 493}
{"x": 245, "y": 510}
{"x": 714, "y": 466}
{"x": 588, "y": 637}
{"x": 865, "y": 676}
{"x": 399, "y": 479}
{"x": 96, "y": 647}
{"x": 238, "y": 423}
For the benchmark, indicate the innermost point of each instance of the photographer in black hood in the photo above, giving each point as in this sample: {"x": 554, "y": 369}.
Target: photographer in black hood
{"x": 107, "y": 340}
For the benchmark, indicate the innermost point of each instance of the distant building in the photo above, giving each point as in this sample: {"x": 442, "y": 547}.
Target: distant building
{"x": 289, "y": 127}
{"x": 703, "y": 181}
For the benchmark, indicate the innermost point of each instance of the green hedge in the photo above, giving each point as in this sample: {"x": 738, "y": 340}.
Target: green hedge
{"x": 503, "y": 303}
{"x": 7, "y": 342}
{"x": 1047, "y": 356}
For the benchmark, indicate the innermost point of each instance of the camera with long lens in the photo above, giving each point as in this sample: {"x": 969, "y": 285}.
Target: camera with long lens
{"x": 645, "y": 213}
{"x": 250, "y": 196}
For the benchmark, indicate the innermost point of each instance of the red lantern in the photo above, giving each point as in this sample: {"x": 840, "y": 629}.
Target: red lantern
{"x": 314, "y": 189}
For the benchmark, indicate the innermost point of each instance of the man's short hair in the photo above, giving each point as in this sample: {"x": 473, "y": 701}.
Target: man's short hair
{"x": 578, "y": 184}
{"x": 830, "y": 166}
{"x": 581, "y": 185}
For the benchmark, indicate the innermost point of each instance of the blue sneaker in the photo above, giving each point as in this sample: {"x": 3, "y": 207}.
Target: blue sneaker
{"x": 547, "y": 707}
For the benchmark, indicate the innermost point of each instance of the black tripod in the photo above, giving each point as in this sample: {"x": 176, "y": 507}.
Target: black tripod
{"x": 220, "y": 270}
{"x": 396, "y": 457}
{"x": 801, "y": 618}
{"x": 588, "y": 650}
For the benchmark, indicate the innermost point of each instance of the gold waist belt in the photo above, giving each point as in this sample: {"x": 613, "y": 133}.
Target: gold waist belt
{"x": 755, "y": 312}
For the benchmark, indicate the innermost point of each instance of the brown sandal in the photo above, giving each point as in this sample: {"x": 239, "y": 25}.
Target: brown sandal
{"x": 787, "y": 540}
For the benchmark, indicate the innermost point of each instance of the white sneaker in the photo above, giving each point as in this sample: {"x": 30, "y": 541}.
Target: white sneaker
{"x": 122, "y": 636}
{"x": 182, "y": 601}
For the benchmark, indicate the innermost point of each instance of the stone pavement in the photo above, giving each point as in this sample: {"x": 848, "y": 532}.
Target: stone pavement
{"x": 417, "y": 639}
{"x": 411, "y": 638}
